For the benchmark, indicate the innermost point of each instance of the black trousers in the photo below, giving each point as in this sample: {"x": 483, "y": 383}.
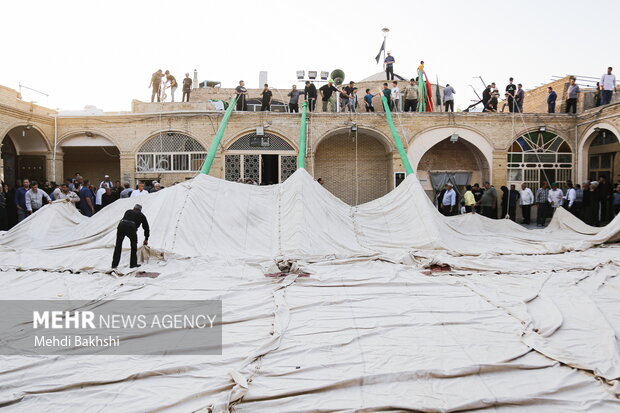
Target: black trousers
{"x": 449, "y": 105}
{"x": 129, "y": 230}
{"x": 411, "y": 105}
{"x": 542, "y": 213}
{"x": 241, "y": 103}
{"x": 265, "y": 106}
{"x": 526, "y": 211}
{"x": 489, "y": 212}
{"x": 389, "y": 72}
{"x": 370, "y": 108}
{"x": 185, "y": 96}
{"x": 512, "y": 212}
{"x": 551, "y": 107}
{"x": 571, "y": 105}
{"x": 293, "y": 107}
{"x": 311, "y": 104}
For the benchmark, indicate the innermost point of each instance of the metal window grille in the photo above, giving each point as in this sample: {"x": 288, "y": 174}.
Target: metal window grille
{"x": 539, "y": 156}
{"x": 170, "y": 152}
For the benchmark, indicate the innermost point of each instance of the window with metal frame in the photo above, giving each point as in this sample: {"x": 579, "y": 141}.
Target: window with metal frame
{"x": 170, "y": 152}
{"x": 536, "y": 157}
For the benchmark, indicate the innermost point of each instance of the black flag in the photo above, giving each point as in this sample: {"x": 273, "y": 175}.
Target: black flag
{"x": 380, "y": 50}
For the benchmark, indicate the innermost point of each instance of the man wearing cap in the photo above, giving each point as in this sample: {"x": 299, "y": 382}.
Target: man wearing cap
{"x": 448, "y": 202}
{"x": 128, "y": 227}
{"x": 389, "y": 66}
{"x": 107, "y": 182}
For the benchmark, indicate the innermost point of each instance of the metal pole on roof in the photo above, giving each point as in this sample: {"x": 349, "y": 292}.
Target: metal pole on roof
{"x": 206, "y": 167}
{"x": 399, "y": 144}
{"x": 301, "y": 153}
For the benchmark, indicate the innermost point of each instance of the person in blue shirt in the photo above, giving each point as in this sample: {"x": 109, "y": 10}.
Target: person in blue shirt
{"x": 368, "y": 101}
{"x": 87, "y": 200}
{"x": 551, "y": 100}
{"x": 389, "y": 66}
{"x": 20, "y": 200}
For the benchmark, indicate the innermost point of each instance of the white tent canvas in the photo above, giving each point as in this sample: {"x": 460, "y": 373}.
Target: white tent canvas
{"x": 521, "y": 320}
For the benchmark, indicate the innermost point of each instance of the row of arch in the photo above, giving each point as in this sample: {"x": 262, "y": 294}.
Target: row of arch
{"x": 419, "y": 147}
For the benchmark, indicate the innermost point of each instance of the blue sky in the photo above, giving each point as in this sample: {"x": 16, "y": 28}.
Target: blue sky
{"x": 103, "y": 52}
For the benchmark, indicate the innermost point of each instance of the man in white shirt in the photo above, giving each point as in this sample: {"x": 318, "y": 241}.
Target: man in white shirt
{"x": 34, "y": 198}
{"x": 556, "y": 197}
{"x": 106, "y": 182}
{"x": 527, "y": 200}
{"x": 65, "y": 193}
{"x": 571, "y": 196}
{"x": 608, "y": 85}
{"x": 395, "y": 96}
{"x": 99, "y": 197}
{"x": 139, "y": 192}
{"x": 448, "y": 203}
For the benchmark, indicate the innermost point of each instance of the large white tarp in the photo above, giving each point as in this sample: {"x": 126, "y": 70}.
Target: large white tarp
{"x": 521, "y": 320}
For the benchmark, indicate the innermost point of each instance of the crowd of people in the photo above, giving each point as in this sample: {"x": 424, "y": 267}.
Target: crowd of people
{"x": 343, "y": 99}
{"x": 595, "y": 202}
{"x": 27, "y": 197}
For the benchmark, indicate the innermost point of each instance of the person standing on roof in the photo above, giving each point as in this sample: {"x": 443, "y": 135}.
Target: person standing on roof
{"x": 411, "y": 96}
{"x": 326, "y": 92}
{"x": 128, "y": 227}
{"x": 293, "y": 103}
{"x": 519, "y": 98}
{"x": 573, "y": 96}
{"x": 266, "y": 96}
{"x": 448, "y": 98}
{"x": 551, "y": 98}
{"x": 242, "y": 94}
{"x": 608, "y": 85}
{"x": 187, "y": 88}
{"x": 311, "y": 95}
{"x": 395, "y": 96}
{"x": 172, "y": 84}
{"x": 156, "y": 84}
{"x": 511, "y": 89}
{"x": 389, "y": 66}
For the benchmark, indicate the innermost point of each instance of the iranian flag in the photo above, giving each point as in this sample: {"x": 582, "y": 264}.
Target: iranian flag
{"x": 425, "y": 92}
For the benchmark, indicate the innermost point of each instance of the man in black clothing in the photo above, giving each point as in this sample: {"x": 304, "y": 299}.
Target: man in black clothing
{"x": 242, "y": 94}
{"x": 326, "y": 95}
{"x": 511, "y": 90}
{"x": 311, "y": 94}
{"x": 128, "y": 227}
{"x": 486, "y": 98}
{"x": 477, "y": 191}
{"x": 266, "y": 98}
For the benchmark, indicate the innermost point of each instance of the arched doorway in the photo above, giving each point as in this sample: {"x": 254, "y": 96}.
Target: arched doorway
{"x": 356, "y": 166}
{"x": 267, "y": 159}
{"x": 450, "y": 154}
{"x": 602, "y": 150}
{"x": 24, "y": 151}
{"x": 539, "y": 156}
{"x": 91, "y": 155}
{"x": 452, "y": 160}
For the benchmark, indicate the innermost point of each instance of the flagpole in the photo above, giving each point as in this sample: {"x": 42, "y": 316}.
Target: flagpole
{"x": 385, "y": 31}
